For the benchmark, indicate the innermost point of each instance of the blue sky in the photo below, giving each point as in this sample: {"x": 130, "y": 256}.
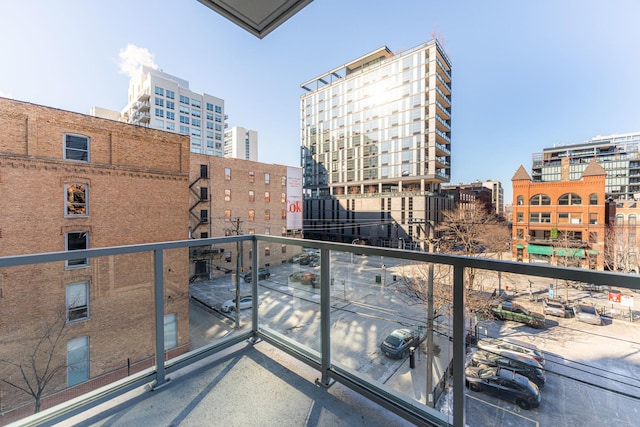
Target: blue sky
{"x": 526, "y": 74}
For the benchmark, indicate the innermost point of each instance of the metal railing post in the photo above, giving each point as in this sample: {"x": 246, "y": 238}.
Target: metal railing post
{"x": 254, "y": 284}
{"x": 158, "y": 293}
{"x": 459, "y": 353}
{"x": 325, "y": 315}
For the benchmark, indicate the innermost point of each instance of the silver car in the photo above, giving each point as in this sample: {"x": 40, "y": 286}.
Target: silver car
{"x": 509, "y": 347}
{"x": 587, "y": 314}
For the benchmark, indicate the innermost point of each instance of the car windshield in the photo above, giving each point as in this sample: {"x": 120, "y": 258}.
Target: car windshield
{"x": 588, "y": 310}
{"x": 394, "y": 340}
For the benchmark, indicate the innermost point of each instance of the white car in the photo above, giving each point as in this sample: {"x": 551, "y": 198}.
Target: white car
{"x": 509, "y": 346}
{"x": 246, "y": 301}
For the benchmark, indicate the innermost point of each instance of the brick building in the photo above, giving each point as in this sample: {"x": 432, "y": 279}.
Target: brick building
{"x": 71, "y": 181}
{"x": 560, "y": 222}
{"x": 232, "y": 196}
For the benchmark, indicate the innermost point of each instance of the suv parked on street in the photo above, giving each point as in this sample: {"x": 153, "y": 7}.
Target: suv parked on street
{"x": 263, "y": 273}
{"x": 504, "y": 384}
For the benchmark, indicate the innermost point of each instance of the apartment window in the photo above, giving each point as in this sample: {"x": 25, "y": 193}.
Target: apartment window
{"x": 540, "y": 200}
{"x": 204, "y": 235}
{"x": 160, "y": 102}
{"x": 76, "y": 200}
{"x": 284, "y": 249}
{"x": 171, "y": 115}
{"x": 184, "y": 99}
{"x": 227, "y": 174}
{"x": 267, "y": 251}
{"x": 196, "y": 132}
{"x": 520, "y": 217}
{"x": 267, "y": 214}
{"x": 204, "y": 215}
{"x": 195, "y": 113}
{"x": 171, "y": 105}
{"x": 159, "y": 91}
{"x": 171, "y": 94}
{"x": 267, "y": 197}
{"x": 252, "y": 176}
{"x": 77, "y": 360}
{"x": 184, "y": 119}
{"x": 76, "y": 241}
{"x": 209, "y": 106}
{"x": 210, "y": 126}
{"x": 184, "y": 130}
{"x": 218, "y": 109}
{"x": 569, "y": 218}
{"x": 283, "y": 198}
{"x": 569, "y": 199}
{"x": 593, "y": 199}
{"x": 196, "y": 141}
{"x": 252, "y": 231}
{"x": 204, "y": 194}
{"x": 204, "y": 171}
{"x": 593, "y": 218}
{"x": 77, "y": 295}
{"x": 227, "y": 213}
{"x": 218, "y": 119}
{"x": 218, "y": 127}
{"x": 159, "y": 112}
{"x": 252, "y": 215}
{"x": 284, "y": 214}
{"x": 540, "y": 217}
{"x": 170, "y": 331}
{"x": 184, "y": 110}
{"x": 218, "y": 137}
{"x": 76, "y": 147}
{"x": 632, "y": 220}
{"x": 520, "y": 201}
{"x": 284, "y": 181}
{"x": 196, "y": 122}
{"x": 266, "y": 178}
{"x": 227, "y": 256}
{"x": 210, "y": 136}
{"x": 619, "y": 220}
{"x": 196, "y": 103}
{"x": 283, "y": 231}
{"x": 520, "y": 233}
{"x": 267, "y": 231}
{"x": 171, "y": 126}
{"x": 159, "y": 124}
{"x": 227, "y": 195}
{"x": 252, "y": 196}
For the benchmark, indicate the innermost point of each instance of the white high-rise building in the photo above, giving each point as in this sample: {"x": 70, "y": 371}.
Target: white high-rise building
{"x": 241, "y": 143}
{"x": 161, "y": 101}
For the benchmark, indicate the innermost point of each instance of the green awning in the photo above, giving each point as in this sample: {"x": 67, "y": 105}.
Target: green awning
{"x": 520, "y": 246}
{"x": 593, "y": 252}
{"x": 576, "y": 252}
{"x": 540, "y": 250}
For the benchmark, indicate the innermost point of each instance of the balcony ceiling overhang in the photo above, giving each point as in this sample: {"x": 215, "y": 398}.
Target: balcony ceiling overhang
{"x": 257, "y": 17}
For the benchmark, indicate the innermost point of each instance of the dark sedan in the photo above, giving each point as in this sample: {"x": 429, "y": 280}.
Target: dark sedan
{"x": 504, "y": 384}
{"x": 397, "y": 344}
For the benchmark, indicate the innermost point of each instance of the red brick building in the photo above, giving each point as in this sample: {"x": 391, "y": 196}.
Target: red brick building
{"x": 71, "y": 181}
{"x": 560, "y": 222}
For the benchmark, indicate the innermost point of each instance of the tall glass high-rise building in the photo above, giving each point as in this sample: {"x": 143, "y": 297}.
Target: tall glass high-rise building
{"x": 376, "y": 146}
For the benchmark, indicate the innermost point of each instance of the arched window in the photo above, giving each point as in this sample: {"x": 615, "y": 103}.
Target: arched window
{"x": 619, "y": 219}
{"x": 520, "y": 201}
{"x": 540, "y": 200}
{"x": 593, "y": 199}
{"x": 570, "y": 199}
{"x": 632, "y": 220}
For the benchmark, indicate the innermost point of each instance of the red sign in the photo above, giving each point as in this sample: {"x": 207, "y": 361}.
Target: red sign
{"x": 614, "y": 297}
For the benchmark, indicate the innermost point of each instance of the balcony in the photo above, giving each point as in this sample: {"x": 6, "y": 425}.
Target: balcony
{"x": 306, "y": 353}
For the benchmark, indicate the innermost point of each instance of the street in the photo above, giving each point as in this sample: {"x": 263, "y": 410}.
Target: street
{"x": 592, "y": 371}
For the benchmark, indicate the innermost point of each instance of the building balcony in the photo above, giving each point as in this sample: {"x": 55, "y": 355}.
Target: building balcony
{"x": 163, "y": 351}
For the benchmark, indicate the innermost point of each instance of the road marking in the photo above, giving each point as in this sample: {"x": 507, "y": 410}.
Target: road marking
{"x": 536, "y": 423}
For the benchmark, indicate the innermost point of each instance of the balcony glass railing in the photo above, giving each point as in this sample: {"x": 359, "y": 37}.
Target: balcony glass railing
{"x": 351, "y": 312}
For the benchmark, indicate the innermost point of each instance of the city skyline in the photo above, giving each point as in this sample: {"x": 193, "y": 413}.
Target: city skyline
{"x": 526, "y": 76}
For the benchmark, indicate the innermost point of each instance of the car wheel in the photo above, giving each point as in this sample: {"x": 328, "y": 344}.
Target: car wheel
{"x": 523, "y": 404}
{"x": 404, "y": 354}
{"x": 475, "y": 387}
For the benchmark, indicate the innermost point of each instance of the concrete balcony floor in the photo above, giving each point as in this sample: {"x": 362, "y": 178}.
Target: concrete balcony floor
{"x": 246, "y": 385}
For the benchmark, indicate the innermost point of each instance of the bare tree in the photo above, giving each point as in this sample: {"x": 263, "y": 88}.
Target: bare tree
{"x": 41, "y": 361}
{"x": 621, "y": 249}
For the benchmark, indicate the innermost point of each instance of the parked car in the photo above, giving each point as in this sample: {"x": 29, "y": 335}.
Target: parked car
{"x": 507, "y": 310}
{"x": 504, "y": 384}
{"x": 555, "y": 308}
{"x": 263, "y": 273}
{"x": 591, "y": 287}
{"x": 246, "y": 301}
{"x": 516, "y": 363}
{"x": 397, "y": 344}
{"x": 511, "y": 346}
{"x": 587, "y": 314}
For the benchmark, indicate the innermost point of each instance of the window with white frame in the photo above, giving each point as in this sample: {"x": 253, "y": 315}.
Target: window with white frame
{"x": 75, "y": 241}
{"x": 77, "y": 360}
{"x": 77, "y": 301}
{"x": 76, "y": 147}
{"x": 170, "y": 331}
{"x": 76, "y": 199}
